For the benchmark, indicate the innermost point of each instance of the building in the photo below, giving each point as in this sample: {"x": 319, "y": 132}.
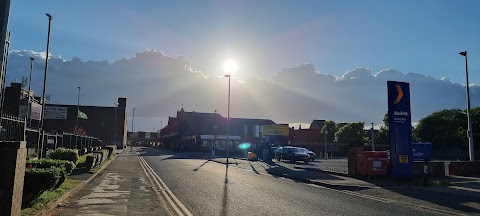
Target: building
{"x": 194, "y": 131}
{"x": 4, "y": 41}
{"x": 108, "y": 124}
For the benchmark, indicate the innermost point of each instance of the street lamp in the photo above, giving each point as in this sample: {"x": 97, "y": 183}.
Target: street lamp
{"x": 133, "y": 118}
{"x": 45, "y": 85}
{"x": 326, "y": 133}
{"x": 469, "y": 132}
{"x": 373, "y": 138}
{"x": 29, "y": 117}
{"x": 115, "y": 124}
{"x": 230, "y": 67}
{"x": 78, "y": 105}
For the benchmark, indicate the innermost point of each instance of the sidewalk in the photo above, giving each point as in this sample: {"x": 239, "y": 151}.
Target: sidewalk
{"x": 121, "y": 189}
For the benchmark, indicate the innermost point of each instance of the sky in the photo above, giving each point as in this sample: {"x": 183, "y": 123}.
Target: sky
{"x": 264, "y": 37}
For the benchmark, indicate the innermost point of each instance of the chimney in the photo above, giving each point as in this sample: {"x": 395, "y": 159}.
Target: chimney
{"x": 122, "y": 102}
{"x": 300, "y": 126}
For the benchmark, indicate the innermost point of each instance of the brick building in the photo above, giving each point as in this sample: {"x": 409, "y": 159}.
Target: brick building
{"x": 109, "y": 124}
{"x": 194, "y": 131}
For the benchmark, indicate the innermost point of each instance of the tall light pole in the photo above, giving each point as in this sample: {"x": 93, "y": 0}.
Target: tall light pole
{"x": 326, "y": 133}
{"x": 29, "y": 106}
{"x": 78, "y": 105}
{"x": 469, "y": 132}
{"x": 115, "y": 124}
{"x": 373, "y": 138}
{"x": 228, "y": 117}
{"x": 45, "y": 84}
{"x": 229, "y": 67}
{"x": 133, "y": 119}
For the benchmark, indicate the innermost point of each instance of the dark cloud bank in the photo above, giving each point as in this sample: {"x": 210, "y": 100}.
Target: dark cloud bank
{"x": 157, "y": 85}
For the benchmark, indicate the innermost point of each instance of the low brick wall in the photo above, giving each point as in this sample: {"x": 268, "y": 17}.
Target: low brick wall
{"x": 464, "y": 168}
{"x": 436, "y": 168}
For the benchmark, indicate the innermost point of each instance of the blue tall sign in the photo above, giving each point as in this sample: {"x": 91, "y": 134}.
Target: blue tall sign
{"x": 400, "y": 125}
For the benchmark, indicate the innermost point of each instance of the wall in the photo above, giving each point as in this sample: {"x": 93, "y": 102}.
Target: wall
{"x": 464, "y": 168}
{"x": 12, "y": 166}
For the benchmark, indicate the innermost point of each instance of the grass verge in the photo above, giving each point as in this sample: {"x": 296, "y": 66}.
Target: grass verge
{"x": 49, "y": 196}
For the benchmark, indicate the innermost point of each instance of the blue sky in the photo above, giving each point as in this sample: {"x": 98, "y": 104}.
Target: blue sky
{"x": 264, "y": 36}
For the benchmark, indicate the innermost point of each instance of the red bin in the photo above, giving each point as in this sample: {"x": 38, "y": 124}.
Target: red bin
{"x": 372, "y": 163}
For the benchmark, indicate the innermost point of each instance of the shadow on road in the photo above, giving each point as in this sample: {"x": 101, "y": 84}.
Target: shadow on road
{"x": 203, "y": 164}
{"x": 224, "y": 210}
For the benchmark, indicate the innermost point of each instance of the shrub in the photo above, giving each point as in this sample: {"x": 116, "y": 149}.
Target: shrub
{"x": 38, "y": 180}
{"x": 104, "y": 154}
{"x": 91, "y": 160}
{"x": 65, "y": 154}
{"x": 68, "y": 166}
{"x": 111, "y": 149}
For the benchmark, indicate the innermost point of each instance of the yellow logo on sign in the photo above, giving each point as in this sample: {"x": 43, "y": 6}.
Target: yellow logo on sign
{"x": 275, "y": 130}
{"x": 403, "y": 158}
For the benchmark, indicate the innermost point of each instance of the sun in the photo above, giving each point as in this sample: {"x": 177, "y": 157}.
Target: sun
{"x": 230, "y": 66}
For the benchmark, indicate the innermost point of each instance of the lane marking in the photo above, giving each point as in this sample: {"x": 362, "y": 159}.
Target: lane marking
{"x": 174, "y": 202}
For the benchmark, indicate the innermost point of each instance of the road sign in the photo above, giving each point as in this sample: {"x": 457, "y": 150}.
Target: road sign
{"x": 400, "y": 129}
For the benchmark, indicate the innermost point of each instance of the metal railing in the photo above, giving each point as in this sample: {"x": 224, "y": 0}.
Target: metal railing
{"x": 12, "y": 128}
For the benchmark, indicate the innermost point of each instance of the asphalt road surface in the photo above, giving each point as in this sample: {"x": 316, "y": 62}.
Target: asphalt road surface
{"x": 209, "y": 188}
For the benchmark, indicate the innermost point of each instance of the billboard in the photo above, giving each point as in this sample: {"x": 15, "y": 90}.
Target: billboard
{"x": 275, "y": 130}
{"x": 55, "y": 112}
{"x": 35, "y": 111}
{"x": 400, "y": 129}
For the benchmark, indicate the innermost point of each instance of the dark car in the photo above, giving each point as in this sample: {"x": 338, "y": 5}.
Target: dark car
{"x": 272, "y": 151}
{"x": 310, "y": 153}
{"x": 292, "y": 154}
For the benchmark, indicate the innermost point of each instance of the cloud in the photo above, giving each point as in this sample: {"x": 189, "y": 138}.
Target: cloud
{"x": 157, "y": 85}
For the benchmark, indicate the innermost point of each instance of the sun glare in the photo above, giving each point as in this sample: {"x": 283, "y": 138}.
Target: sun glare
{"x": 230, "y": 66}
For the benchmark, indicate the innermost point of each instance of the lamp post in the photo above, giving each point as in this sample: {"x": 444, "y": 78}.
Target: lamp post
{"x": 29, "y": 106}
{"x": 326, "y": 133}
{"x": 228, "y": 117}
{"x": 45, "y": 85}
{"x": 469, "y": 132}
{"x": 133, "y": 118}
{"x": 115, "y": 124}
{"x": 78, "y": 105}
{"x": 373, "y": 138}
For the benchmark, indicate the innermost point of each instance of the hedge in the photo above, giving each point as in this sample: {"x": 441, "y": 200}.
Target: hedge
{"x": 111, "y": 149}
{"x": 91, "y": 160}
{"x": 65, "y": 154}
{"x": 38, "y": 180}
{"x": 68, "y": 166}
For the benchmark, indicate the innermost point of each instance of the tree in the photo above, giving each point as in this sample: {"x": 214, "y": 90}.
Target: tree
{"x": 332, "y": 128}
{"x": 383, "y": 133}
{"x": 79, "y": 131}
{"x": 444, "y": 129}
{"x": 351, "y": 132}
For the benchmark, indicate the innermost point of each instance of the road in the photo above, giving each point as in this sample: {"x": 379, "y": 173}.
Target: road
{"x": 209, "y": 188}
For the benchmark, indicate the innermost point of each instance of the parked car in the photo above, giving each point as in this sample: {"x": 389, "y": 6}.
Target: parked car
{"x": 272, "y": 151}
{"x": 292, "y": 154}
{"x": 310, "y": 153}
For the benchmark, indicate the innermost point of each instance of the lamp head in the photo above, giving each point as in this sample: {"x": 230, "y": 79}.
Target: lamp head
{"x": 50, "y": 17}
{"x": 464, "y": 53}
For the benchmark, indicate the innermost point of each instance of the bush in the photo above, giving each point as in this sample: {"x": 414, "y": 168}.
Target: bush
{"x": 91, "y": 160}
{"x": 38, "y": 180}
{"x": 68, "y": 166}
{"x": 104, "y": 154}
{"x": 111, "y": 149}
{"x": 65, "y": 154}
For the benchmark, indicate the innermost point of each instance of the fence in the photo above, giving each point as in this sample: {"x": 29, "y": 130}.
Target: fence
{"x": 12, "y": 128}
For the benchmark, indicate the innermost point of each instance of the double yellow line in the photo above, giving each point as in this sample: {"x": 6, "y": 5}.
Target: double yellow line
{"x": 162, "y": 191}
